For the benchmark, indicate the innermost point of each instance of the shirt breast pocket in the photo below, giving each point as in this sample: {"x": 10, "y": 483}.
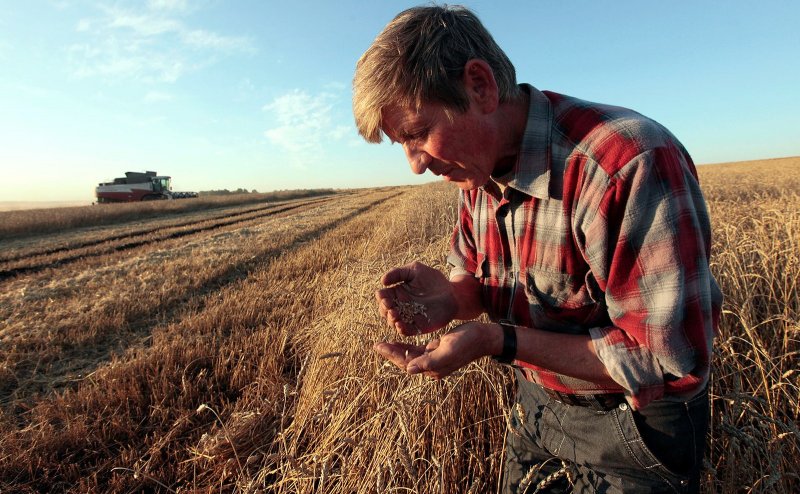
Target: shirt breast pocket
{"x": 564, "y": 302}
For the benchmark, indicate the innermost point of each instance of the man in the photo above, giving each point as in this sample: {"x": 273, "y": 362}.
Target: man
{"x": 584, "y": 236}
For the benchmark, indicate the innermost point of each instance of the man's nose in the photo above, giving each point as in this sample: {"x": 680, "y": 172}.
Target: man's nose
{"x": 418, "y": 159}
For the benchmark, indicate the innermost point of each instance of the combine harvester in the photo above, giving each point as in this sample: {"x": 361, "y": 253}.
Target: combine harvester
{"x": 136, "y": 186}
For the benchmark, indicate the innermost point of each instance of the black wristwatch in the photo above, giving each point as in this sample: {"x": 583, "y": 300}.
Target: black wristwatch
{"x": 509, "y": 352}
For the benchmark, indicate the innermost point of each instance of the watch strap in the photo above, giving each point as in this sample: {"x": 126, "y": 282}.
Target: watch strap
{"x": 509, "y": 352}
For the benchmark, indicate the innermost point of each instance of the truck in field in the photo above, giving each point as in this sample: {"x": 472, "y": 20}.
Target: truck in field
{"x": 138, "y": 186}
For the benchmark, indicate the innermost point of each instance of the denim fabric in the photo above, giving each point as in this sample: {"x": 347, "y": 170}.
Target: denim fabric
{"x": 653, "y": 450}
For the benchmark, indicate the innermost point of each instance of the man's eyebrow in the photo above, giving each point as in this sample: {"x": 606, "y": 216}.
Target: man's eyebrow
{"x": 398, "y": 135}
{"x": 414, "y": 127}
{"x": 392, "y": 136}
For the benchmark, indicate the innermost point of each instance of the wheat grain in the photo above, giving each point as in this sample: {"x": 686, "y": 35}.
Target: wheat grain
{"x": 527, "y": 479}
{"x": 405, "y": 459}
{"x": 546, "y": 482}
{"x": 410, "y": 309}
{"x": 520, "y": 413}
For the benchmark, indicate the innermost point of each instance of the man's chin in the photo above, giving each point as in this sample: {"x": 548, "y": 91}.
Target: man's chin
{"x": 463, "y": 184}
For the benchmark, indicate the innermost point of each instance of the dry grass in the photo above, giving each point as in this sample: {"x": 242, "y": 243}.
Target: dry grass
{"x": 240, "y": 361}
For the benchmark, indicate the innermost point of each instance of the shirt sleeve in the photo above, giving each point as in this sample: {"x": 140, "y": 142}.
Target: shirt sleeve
{"x": 463, "y": 256}
{"x": 647, "y": 242}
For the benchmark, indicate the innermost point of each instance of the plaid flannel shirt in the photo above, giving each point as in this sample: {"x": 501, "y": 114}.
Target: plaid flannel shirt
{"x": 600, "y": 229}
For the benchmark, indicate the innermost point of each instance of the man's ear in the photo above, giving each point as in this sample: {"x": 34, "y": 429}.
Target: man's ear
{"x": 480, "y": 85}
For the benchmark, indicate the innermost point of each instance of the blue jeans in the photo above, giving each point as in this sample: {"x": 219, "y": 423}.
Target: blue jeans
{"x": 656, "y": 449}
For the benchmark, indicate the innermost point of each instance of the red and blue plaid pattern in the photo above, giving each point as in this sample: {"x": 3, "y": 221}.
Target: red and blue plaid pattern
{"x": 601, "y": 229}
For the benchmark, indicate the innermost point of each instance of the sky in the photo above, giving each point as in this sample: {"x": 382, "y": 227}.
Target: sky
{"x": 256, "y": 94}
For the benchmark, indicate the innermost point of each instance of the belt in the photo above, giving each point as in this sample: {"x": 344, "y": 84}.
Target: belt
{"x": 600, "y": 402}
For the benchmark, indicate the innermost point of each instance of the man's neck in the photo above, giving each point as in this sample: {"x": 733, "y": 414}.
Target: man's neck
{"x": 513, "y": 118}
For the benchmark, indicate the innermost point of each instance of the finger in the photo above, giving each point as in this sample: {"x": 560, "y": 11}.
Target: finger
{"x": 432, "y": 364}
{"x": 404, "y": 328}
{"x": 386, "y": 304}
{"x": 383, "y": 307}
{"x": 386, "y": 297}
{"x": 402, "y": 274}
{"x": 432, "y": 345}
{"x": 395, "y": 321}
{"x": 398, "y": 348}
{"x": 421, "y": 364}
{"x": 398, "y": 353}
{"x": 391, "y": 353}
{"x": 385, "y": 294}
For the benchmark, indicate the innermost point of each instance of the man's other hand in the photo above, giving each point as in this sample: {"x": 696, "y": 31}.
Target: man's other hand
{"x": 441, "y": 356}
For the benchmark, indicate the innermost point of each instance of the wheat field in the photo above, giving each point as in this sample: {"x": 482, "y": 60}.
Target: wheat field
{"x": 229, "y": 350}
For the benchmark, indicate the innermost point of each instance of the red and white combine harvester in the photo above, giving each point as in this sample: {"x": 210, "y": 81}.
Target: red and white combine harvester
{"x": 137, "y": 186}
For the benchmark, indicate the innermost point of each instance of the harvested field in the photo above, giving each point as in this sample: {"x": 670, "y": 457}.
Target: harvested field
{"x": 29, "y": 257}
{"x": 229, "y": 350}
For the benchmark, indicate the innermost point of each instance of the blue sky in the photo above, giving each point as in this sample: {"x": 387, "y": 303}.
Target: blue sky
{"x": 256, "y": 94}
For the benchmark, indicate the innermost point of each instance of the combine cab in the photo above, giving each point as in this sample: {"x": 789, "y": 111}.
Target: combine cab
{"x": 136, "y": 186}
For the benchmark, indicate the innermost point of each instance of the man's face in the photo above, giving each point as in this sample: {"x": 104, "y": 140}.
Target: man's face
{"x": 458, "y": 150}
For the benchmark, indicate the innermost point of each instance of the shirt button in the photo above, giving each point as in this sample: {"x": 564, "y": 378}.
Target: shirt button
{"x": 623, "y": 406}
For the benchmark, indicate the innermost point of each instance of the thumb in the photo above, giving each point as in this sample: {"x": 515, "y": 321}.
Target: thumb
{"x": 424, "y": 363}
{"x": 397, "y": 275}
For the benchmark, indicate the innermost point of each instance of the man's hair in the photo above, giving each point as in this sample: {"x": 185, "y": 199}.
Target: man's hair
{"x": 419, "y": 57}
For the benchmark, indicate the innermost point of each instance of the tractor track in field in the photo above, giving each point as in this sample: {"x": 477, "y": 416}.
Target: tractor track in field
{"x": 11, "y": 267}
{"x": 150, "y": 230}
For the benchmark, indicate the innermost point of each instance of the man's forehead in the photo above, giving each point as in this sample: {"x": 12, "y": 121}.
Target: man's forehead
{"x": 397, "y": 117}
{"x": 408, "y": 114}
{"x": 397, "y": 112}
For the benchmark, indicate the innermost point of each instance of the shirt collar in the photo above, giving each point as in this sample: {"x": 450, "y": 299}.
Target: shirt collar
{"x": 531, "y": 174}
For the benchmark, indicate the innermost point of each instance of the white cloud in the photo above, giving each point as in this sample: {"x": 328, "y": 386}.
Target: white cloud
{"x": 157, "y": 97}
{"x": 337, "y": 86}
{"x": 117, "y": 59}
{"x": 305, "y": 125}
{"x": 150, "y": 45}
{"x": 340, "y": 132}
{"x": 84, "y": 25}
{"x": 60, "y": 4}
{"x": 179, "y": 5}
{"x": 245, "y": 90}
{"x": 145, "y": 24}
{"x": 31, "y": 90}
{"x": 200, "y": 38}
